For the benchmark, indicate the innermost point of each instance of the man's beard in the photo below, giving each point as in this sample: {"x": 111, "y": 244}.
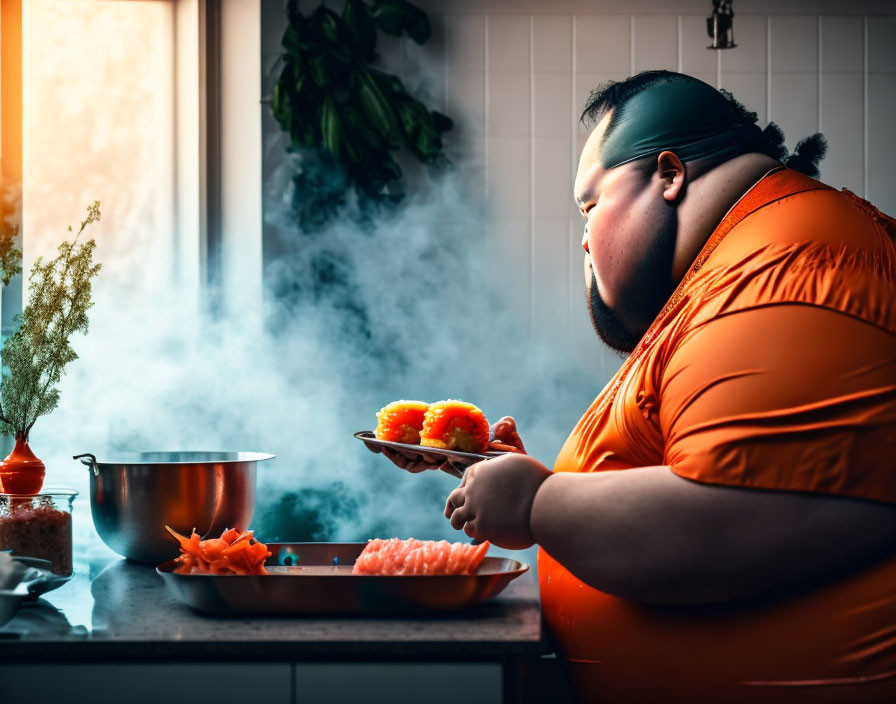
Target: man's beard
{"x": 646, "y": 296}
{"x": 606, "y": 323}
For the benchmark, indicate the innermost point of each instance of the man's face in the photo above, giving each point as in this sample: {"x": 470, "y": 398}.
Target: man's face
{"x": 629, "y": 238}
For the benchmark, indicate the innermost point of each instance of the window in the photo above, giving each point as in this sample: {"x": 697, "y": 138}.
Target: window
{"x": 98, "y": 108}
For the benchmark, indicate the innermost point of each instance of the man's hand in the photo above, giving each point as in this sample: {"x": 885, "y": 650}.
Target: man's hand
{"x": 416, "y": 462}
{"x": 504, "y": 436}
{"x": 413, "y": 462}
{"x": 494, "y": 500}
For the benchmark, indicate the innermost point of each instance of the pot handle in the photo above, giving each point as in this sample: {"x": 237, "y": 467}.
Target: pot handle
{"x": 90, "y": 463}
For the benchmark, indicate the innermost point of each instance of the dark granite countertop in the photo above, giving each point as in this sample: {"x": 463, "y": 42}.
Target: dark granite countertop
{"x": 124, "y": 611}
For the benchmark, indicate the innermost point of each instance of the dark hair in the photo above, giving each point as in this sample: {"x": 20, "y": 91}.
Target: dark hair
{"x": 805, "y": 158}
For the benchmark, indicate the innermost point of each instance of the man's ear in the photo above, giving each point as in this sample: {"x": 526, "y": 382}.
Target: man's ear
{"x": 671, "y": 170}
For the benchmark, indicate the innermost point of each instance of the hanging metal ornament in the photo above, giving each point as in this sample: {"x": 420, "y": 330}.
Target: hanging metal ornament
{"x": 720, "y": 26}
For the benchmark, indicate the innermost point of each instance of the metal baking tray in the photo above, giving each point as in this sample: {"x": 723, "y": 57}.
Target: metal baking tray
{"x": 455, "y": 459}
{"x": 329, "y": 588}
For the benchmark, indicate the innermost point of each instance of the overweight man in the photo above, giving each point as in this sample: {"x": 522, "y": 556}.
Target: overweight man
{"x": 720, "y": 524}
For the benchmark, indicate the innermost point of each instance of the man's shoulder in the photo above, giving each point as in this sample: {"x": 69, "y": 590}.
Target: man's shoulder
{"x": 819, "y": 247}
{"x": 825, "y": 216}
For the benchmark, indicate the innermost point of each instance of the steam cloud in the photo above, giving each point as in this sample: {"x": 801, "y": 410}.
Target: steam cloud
{"x": 435, "y": 329}
{"x": 415, "y": 310}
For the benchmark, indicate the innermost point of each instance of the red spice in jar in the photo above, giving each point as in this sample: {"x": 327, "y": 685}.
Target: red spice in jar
{"x": 38, "y": 531}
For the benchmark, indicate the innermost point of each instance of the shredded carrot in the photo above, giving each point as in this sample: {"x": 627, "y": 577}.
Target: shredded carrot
{"x": 233, "y": 553}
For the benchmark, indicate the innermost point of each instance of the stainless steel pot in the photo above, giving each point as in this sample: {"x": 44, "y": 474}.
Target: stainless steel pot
{"x": 133, "y": 496}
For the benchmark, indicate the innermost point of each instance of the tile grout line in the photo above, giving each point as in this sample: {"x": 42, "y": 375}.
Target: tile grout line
{"x": 865, "y": 106}
{"x": 718, "y": 69}
{"x": 678, "y": 58}
{"x": 768, "y": 68}
{"x": 820, "y": 69}
{"x": 531, "y": 178}
{"x": 486, "y": 106}
{"x": 572, "y": 149}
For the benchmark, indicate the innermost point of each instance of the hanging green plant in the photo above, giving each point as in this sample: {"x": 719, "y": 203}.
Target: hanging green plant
{"x": 346, "y": 118}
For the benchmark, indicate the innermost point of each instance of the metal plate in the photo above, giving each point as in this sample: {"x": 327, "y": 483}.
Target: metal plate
{"x": 40, "y": 578}
{"x": 286, "y": 591}
{"x": 455, "y": 458}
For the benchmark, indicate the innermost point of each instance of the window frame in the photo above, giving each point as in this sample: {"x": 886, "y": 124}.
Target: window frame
{"x": 218, "y": 155}
{"x": 217, "y": 168}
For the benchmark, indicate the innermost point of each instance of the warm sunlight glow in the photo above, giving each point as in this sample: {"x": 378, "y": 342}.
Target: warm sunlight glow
{"x": 98, "y": 104}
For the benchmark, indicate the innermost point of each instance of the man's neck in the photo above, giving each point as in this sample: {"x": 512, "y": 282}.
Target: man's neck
{"x": 709, "y": 198}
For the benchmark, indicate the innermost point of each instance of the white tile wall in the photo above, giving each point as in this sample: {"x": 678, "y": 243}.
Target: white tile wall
{"x": 793, "y": 43}
{"x": 654, "y": 42}
{"x": 842, "y": 101}
{"x": 840, "y": 120}
{"x": 603, "y": 44}
{"x": 508, "y": 44}
{"x": 842, "y": 44}
{"x": 515, "y": 77}
{"x": 804, "y": 71}
{"x": 552, "y": 44}
{"x": 751, "y": 53}
{"x": 880, "y": 139}
{"x": 881, "y": 43}
{"x": 692, "y": 42}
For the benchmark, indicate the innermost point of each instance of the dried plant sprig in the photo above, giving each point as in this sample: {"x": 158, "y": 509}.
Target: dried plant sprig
{"x": 35, "y": 356}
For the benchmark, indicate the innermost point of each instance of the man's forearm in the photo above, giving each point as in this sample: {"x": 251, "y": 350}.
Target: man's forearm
{"x": 590, "y": 524}
{"x": 649, "y": 535}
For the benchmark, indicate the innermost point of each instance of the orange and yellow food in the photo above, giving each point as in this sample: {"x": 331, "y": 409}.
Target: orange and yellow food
{"x": 401, "y": 421}
{"x": 414, "y": 557}
{"x": 232, "y": 553}
{"x": 455, "y": 425}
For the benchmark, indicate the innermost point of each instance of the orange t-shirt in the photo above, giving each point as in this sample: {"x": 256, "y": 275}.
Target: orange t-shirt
{"x": 773, "y": 366}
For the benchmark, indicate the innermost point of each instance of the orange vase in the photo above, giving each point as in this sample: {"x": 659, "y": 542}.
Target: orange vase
{"x": 21, "y": 472}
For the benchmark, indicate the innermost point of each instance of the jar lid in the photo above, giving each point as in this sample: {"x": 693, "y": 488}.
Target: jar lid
{"x": 62, "y": 491}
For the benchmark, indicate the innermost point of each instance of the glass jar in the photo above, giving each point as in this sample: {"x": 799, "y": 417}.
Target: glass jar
{"x": 39, "y": 525}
